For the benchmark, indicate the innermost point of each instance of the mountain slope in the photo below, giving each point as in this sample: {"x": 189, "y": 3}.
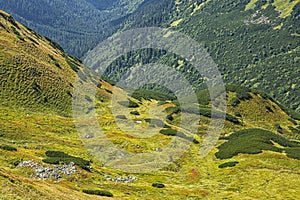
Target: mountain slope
{"x": 66, "y": 21}
{"x": 31, "y": 129}
{"x": 254, "y": 44}
{"x": 35, "y": 73}
{"x": 256, "y": 48}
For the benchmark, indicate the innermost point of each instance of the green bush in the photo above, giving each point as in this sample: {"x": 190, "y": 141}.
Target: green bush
{"x": 170, "y": 117}
{"x": 234, "y": 101}
{"x": 167, "y": 126}
{"x": 56, "y": 157}
{"x": 98, "y": 192}
{"x": 72, "y": 64}
{"x": 203, "y": 97}
{"x": 152, "y": 94}
{"x": 158, "y": 185}
{"x": 168, "y": 132}
{"x": 195, "y": 141}
{"x": 53, "y": 161}
{"x": 36, "y": 86}
{"x": 129, "y": 103}
{"x": 57, "y": 154}
{"x": 269, "y": 109}
{"x": 99, "y": 85}
{"x": 57, "y": 64}
{"x": 7, "y": 148}
{"x": 173, "y": 110}
{"x": 108, "y": 91}
{"x": 238, "y": 114}
{"x": 228, "y": 164}
{"x": 205, "y": 111}
{"x": 278, "y": 128}
{"x": 293, "y": 152}
{"x": 135, "y": 112}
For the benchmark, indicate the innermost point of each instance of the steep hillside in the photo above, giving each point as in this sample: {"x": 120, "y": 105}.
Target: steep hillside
{"x": 254, "y": 44}
{"x": 77, "y": 25}
{"x": 35, "y": 73}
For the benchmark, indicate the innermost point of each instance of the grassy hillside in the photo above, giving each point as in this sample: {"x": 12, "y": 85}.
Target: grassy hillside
{"x": 268, "y": 174}
{"x": 35, "y": 73}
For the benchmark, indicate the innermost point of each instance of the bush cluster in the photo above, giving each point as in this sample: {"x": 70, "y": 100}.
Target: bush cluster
{"x": 253, "y": 141}
{"x": 135, "y": 112}
{"x": 7, "y": 148}
{"x": 129, "y": 103}
{"x": 228, "y": 164}
{"x": 99, "y": 193}
{"x": 158, "y": 185}
{"x": 152, "y": 94}
{"x": 56, "y": 157}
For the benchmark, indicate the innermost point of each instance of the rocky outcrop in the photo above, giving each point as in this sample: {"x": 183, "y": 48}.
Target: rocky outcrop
{"x": 57, "y": 172}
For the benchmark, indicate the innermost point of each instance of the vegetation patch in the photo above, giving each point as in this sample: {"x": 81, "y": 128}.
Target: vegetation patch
{"x": 254, "y": 141}
{"x": 205, "y": 111}
{"x": 99, "y": 193}
{"x": 152, "y": 94}
{"x": 168, "y": 132}
{"x": 228, "y": 164}
{"x": 158, "y": 185}
{"x": 293, "y": 152}
{"x": 7, "y": 148}
{"x": 294, "y": 130}
{"x": 110, "y": 81}
{"x": 56, "y": 157}
{"x": 135, "y": 112}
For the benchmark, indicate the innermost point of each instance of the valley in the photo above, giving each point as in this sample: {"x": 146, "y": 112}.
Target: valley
{"x": 50, "y": 147}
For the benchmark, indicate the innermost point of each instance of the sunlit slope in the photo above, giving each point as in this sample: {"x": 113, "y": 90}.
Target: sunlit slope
{"x": 266, "y": 174}
{"x": 35, "y": 73}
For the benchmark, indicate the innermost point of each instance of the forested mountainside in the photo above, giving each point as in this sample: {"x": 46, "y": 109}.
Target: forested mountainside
{"x": 77, "y": 25}
{"x": 255, "y": 43}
